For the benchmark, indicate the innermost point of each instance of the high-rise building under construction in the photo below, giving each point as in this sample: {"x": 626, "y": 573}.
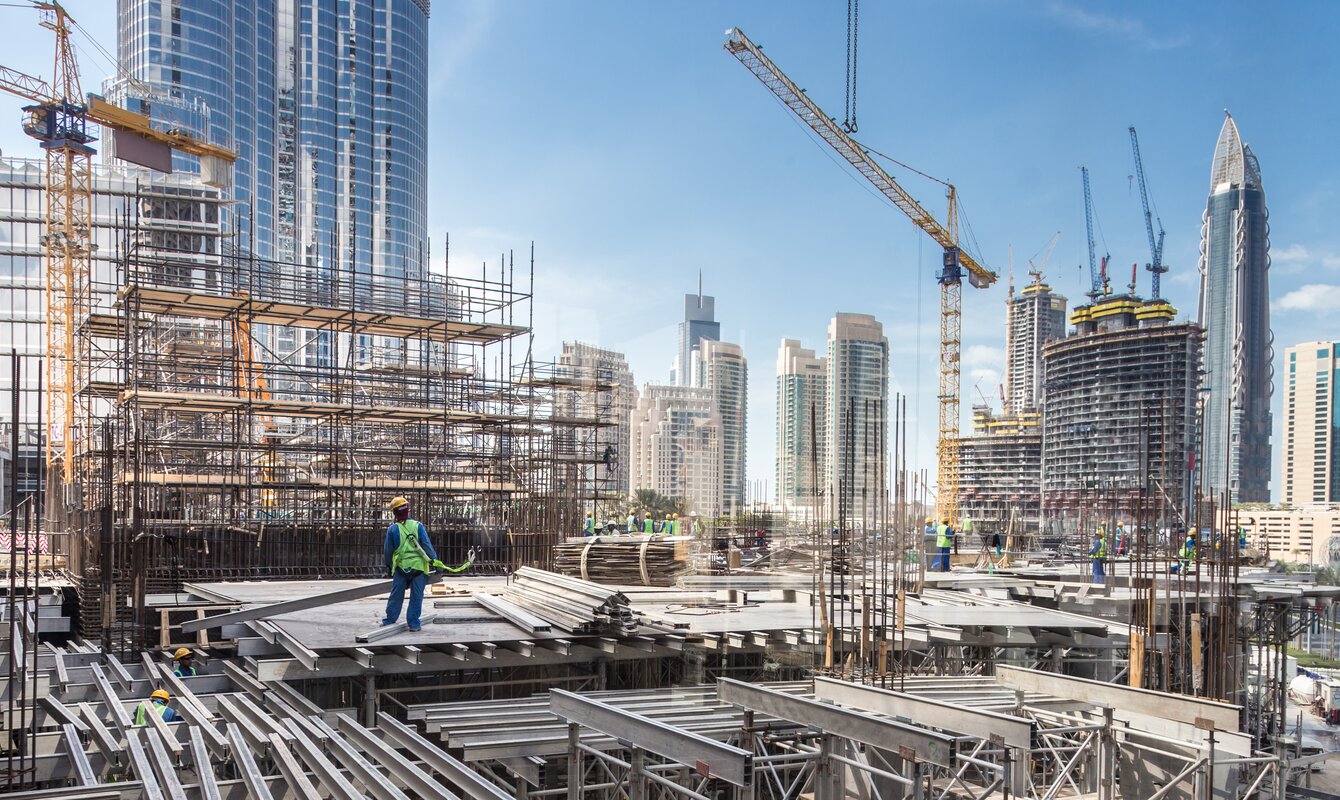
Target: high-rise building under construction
{"x": 1035, "y": 316}
{"x": 1119, "y": 417}
{"x": 1235, "y": 313}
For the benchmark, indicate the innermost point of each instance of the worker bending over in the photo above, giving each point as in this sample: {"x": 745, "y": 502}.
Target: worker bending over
{"x": 409, "y": 555}
{"x": 156, "y": 704}
{"x": 1186, "y": 556}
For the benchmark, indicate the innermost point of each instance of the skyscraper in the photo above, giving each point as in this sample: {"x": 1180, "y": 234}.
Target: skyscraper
{"x": 802, "y": 413}
{"x": 676, "y": 442}
{"x": 725, "y": 373}
{"x": 596, "y": 366}
{"x": 699, "y": 325}
{"x": 1033, "y": 317}
{"x": 1310, "y": 467}
{"x": 326, "y": 106}
{"x": 1235, "y": 313}
{"x": 858, "y": 413}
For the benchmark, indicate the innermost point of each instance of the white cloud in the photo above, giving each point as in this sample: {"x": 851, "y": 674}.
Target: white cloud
{"x": 1289, "y": 254}
{"x": 1130, "y": 28}
{"x": 983, "y": 357}
{"x": 1312, "y": 297}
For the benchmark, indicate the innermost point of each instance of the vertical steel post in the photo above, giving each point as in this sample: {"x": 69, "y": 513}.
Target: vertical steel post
{"x": 574, "y": 762}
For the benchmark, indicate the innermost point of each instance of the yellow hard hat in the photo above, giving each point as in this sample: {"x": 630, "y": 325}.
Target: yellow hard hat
{"x": 946, "y": 520}
{"x": 397, "y": 502}
{"x": 929, "y": 519}
{"x": 160, "y": 694}
{"x": 181, "y": 653}
{"x": 588, "y": 513}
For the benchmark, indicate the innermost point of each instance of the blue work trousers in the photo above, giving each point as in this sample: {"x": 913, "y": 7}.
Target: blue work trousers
{"x": 1099, "y": 570}
{"x": 942, "y": 563}
{"x": 415, "y": 581}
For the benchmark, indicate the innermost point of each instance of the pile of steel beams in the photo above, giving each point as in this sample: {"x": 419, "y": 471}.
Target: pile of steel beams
{"x": 572, "y": 604}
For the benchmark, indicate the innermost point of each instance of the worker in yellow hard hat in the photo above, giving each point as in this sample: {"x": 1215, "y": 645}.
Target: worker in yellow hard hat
{"x": 409, "y": 555}
{"x": 185, "y": 667}
{"x": 589, "y": 526}
{"x": 156, "y": 704}
{"x": 634, "y": 524}
{"x": 944, "y": 540}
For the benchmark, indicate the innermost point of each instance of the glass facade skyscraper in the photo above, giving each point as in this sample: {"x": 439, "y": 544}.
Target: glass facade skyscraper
{"x": 1235, "y": 313}
{"x": 699, "y": 324}
{"x": 325, "y": 104}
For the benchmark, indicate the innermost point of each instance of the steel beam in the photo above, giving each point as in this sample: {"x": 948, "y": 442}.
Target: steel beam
{"x": 420, "y": 782}
{"x": 163, "y": 765}
{"x": 246, "y": 765}
{"x": 300, "y": 604}
{"x": 204, "y": 770}
{"x": 374, "y": 783}
{"x": 922, "y": 744}
{"x": 392, "y": 629}
{"x": 298, "y": 783}
{"x": 706, "y": 756}
{"x": 513, "y": 613}
{"x": 103, "y": 738}
{"x": 1142, "y": 701}
{"x": 75, "y": 750}
{"x": 471, "y": 783}
{"x": 988, "y": 725}
{"x": 323, "y": 770}
{"x": 139, "y": 763}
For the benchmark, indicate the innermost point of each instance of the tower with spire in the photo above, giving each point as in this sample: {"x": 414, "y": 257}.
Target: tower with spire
{"x": 1234, "y": 310}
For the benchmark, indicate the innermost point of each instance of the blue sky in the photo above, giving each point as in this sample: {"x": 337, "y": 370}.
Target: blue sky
{"x": 635, "y": 152}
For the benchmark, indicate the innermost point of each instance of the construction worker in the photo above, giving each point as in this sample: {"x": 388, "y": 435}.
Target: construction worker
{"x": 1098, "y": 552}
{"x": 185, "y": 663}
{"x": 634, "y": 524}
{"x": 944, "y": 540}
{"x": 648, "y": 524}
{"x": 1242, "y": 539}
{"x": 1119, "y": 537}
{"x": 589, "y": 526}
{"x": 674, "y": 525}
{"x": 1186, "y": 556}
{"x": 156, "y": 704}
{"x": 409, "y": 555}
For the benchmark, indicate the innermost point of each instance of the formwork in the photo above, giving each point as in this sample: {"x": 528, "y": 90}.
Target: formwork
{"x": 250, "y": 418}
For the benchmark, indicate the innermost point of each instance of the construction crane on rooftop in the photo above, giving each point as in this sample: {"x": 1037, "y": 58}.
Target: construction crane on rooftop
{"x": 59, "y": 119}
{"x": 1097, "y": 277}
{"x": 1155, "y": 266}
{"x": 953, "y": 265}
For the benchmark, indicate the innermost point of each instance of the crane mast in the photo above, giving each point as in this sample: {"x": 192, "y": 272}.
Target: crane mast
{"x": 58, "y": 119}
{"x": 954, "y": 264}
{"x": 1155, "y": 266}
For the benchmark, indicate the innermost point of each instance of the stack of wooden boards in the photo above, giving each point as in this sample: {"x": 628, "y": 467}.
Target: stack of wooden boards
{"x": 634, "y": 560}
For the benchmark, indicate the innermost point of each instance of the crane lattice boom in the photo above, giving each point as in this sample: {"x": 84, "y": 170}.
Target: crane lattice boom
{"x": 1155, "y": 265}
{"x": 955, "y": 259}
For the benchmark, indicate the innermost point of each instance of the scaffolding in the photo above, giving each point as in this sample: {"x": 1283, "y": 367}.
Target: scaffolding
{"x": 250, "y": 418}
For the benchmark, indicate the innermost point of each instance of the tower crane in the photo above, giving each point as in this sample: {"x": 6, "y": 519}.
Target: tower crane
{"x": 1155, "y": 266}
{"x": 1097, "y": 277}
{"x": 59, "y": 119}
{"x": 953, "y": 265}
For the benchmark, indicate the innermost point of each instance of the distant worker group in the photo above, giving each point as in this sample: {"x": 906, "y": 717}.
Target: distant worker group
{"x": 668, "y": 525}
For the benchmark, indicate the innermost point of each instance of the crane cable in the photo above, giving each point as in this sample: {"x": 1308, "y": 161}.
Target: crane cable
{"x": 853, "y": 34}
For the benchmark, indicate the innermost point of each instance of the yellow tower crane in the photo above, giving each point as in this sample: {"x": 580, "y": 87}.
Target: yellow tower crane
{"x": 59, "y": 119}
{"x": 955, "y": 261}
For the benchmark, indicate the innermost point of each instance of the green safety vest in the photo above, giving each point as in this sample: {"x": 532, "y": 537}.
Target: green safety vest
{"x": 632, "y": 523}
{"x": 966, "y": 525}
{"x": 589, "y": 526}
{"x": 648, "y": 525}
{"x": 141, "y": 718}
{"x": 1188, "y": 552}
{"x": 942, "y": 538}
{"x": 1101, "y": 552}
{"x": 409, "y": 556}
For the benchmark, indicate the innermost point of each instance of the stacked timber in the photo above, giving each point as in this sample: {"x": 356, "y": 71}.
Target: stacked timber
{"x": 571, "y": 604}
{"x": 632, "y": 560}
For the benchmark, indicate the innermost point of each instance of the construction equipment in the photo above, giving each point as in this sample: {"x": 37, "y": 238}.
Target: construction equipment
{"x": 58, "y": 120}
{"x": 1097, "y": 278}
{"x": 955, "y": 262}
{"x": 1155, "y": 266}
